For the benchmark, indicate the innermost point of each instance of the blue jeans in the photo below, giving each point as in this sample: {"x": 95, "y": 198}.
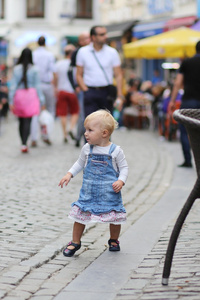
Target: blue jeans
{"x": 195, "y": 104}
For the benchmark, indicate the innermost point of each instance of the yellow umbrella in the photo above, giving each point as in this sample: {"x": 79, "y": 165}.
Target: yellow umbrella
{"x": 174, "y": 43}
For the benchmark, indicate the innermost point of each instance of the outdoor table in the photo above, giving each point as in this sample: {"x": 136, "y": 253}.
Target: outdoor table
{"x": 190, "y": 118}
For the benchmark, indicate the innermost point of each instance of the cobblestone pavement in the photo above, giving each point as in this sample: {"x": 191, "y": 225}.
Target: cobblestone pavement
{"x": 184, "y": 281}
{"x": 34, "y": 226}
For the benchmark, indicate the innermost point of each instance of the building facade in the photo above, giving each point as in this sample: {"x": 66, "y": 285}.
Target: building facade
{"x": 151, "y": 17}
{"x": 60, "y": 21}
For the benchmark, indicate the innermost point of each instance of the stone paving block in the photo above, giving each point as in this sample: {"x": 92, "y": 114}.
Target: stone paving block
{"x": 31, "y": 288}
{"x": 39, "y": 274}
{"x": 158, "y": 297}
{"x": 148, "y": 263}
{"x": 50, "y": 284}
{"x": 51, "y": 267}
{"x": 47, "y": 292}
{"x": 43, "y": 297}
{"x": 65, "y": 276}
{"x": 136, "y": 284}
{"x": 144, "y": 271}
{"x": 15, "y": 274}
{"x": 31, "y": 263}
{"x": 21, "y": 294}
{"x": 127, "y": 292}
{"x": 14, "y": 298}
{"x": 9, "y": 280}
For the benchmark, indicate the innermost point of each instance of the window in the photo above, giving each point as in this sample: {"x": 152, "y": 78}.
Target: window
{"x": 35, "y": 8}
{"x": 2, "y": 6}
{"x": 84, "y": 9}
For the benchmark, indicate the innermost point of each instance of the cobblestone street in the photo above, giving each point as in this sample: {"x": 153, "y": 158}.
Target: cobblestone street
{"x": 35, "y": 228}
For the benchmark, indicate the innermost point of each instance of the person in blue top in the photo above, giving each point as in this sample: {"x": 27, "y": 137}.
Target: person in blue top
{"x": 25, "y": 75}
{"x": 105, "y": 173}
{"x": 156, "y": 79}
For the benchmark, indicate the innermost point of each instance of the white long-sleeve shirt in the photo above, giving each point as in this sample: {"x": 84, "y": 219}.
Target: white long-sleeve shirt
{"x": 45, "y": 61}
{"x": 118, "y": 160}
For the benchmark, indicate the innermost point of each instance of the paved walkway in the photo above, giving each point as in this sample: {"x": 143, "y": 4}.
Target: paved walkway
{"x": 34, "y": 226}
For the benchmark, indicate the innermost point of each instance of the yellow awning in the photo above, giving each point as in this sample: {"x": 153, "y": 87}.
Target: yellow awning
{"x": 178, "y": 43}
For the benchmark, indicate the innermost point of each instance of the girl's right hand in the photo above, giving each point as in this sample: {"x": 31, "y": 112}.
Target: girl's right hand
{"x": 65, "y": 180}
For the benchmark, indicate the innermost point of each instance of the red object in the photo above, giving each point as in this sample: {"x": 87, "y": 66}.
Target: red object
{"x": 171, "y": 124}
{"x": 178, "y": 22}
{"x": 67, "y": 104}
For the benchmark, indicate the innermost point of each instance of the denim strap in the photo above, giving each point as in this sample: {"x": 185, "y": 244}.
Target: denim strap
{"x": 112, "y": 148}
{"x": 91, "y": 148}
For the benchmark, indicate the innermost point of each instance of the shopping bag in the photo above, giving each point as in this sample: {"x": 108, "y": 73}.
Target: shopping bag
{"x": 46, "y": 122}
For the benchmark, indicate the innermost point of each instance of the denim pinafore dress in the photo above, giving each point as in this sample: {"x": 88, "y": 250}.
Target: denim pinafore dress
{"x": 97, "y": 195}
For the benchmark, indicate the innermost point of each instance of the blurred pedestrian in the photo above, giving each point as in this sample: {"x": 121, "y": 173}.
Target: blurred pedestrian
{"x": 25, "y": 76}
{"x": 4, "y": 96}
{"x": 67, "y": 101}
{"x": 96, "y": 65}
{"x": 188, "y": 78}
{"x": 45, "y": 61}
{"x": 83, "y": 40}
{"x": 4, "y": 106}
{"x": 156, "y": 79}
{"x": 105, "y": 173}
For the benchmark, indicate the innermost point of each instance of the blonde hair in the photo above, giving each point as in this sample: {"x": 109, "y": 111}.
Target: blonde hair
{"x": 105, "y": 119}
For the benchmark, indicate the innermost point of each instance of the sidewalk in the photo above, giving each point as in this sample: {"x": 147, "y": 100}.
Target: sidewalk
{"x": 136, "y": 272}
{"x": 34, "y": 226}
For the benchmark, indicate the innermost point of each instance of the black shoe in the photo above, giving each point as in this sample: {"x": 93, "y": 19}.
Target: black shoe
{"x": 185, "y": 165}
{"x": 71, "y": 135}
{"x": 77, "y": 143}
{"x": 47, "y": 141}
{"x": 65, "y": 140}
{"x": 113, "y": 247}
{"x": 70, "y": 252}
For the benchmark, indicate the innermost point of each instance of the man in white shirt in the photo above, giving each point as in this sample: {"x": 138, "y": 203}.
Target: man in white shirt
{"x": 83, "y": 40}
{"x": 97, "y": 63}
{"x": 45, "y": 62}
{"x": 67, "y": 101}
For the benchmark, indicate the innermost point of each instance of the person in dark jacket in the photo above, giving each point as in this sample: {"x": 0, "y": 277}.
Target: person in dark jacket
{"x": 188, "y": 78}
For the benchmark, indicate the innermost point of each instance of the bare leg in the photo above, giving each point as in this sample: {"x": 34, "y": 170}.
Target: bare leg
{"x": 64, "y": 125}
{"x": 77, "y": 234}
{"x": 73, "y": 121}
{"x": 114, "y": 232}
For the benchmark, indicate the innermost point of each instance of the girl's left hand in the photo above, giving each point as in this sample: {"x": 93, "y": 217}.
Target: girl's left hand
{"x": 65, "y": 180}
{"x": 117, "y": 186}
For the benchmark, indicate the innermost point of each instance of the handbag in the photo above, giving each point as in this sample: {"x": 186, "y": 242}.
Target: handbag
{"x": 26, "y": 103}
{"x": 112, "y": 90}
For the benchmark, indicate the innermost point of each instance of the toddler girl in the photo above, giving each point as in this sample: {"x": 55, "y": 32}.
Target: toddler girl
{"x": 105, "y": 173}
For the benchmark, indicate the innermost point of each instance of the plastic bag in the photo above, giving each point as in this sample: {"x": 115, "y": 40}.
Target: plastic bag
{"x": 46, "y": 121}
